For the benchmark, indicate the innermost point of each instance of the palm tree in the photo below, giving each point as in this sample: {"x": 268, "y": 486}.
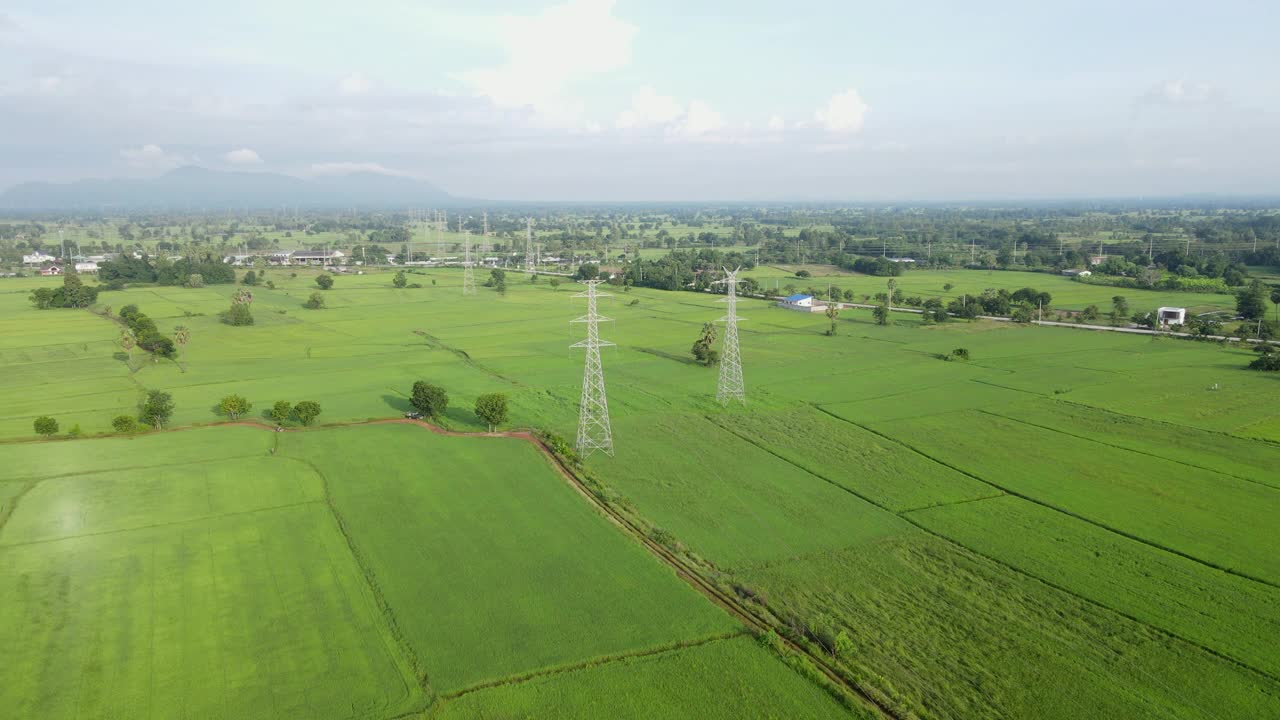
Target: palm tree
{"x": 182, "y": 336}
{"x": 128, "y": 340}
{"x": 243, "y": 297}
{"x": 893, "y": 285}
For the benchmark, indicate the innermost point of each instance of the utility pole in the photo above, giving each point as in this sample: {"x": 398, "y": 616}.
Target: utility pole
{"x": 594, "y": 430}
{"x": 973, "y": 251}
{"x": 730, "y": 385}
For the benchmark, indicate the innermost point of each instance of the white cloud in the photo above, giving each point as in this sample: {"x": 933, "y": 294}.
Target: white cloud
{"x": 354, "y": 84}
{"x": 776, "y": 123}
{"x": 549, "y": 52}
{"x": 152, "y": 157}
{"x": 844, "y": 113}
{"x": 701, "y": 119}
{"x": 7, "y": 23}
{"x": 243, "y": 156}
{"x": 348, "y": 168}
{"x": 1180, "y": 92}
{"x": 648, "y": 108}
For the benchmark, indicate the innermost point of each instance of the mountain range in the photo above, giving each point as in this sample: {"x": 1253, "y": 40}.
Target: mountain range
{"x": 196, "y": 188}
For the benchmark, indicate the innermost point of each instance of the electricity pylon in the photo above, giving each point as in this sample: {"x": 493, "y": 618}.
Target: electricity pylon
{"x": 730, "y": 386}
{"x": 594, "y": 431}
{"x": 528, "y": 246}
{"x": 468, "y": 276}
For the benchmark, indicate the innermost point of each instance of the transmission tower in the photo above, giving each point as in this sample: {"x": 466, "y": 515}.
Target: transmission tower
{"x": 528, "y": 246}
{"x": 594, "y": 432}
{"x": 730, "y": 386}
{"x": 468, "y": 276}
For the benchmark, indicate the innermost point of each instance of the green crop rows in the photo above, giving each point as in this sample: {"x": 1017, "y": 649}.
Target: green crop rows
{"x": 1071, "y": 524}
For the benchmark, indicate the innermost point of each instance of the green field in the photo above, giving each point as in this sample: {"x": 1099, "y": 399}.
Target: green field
{"x": 1072, "y": 524}
{"x": 1068, "y": 294}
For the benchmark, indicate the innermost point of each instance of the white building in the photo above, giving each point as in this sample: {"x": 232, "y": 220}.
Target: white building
{"x": 37, "y": 258}
{"x": 86, "y": 267}
{"x": 316, "y": 257}
{"x": 802, "y": 303}
{"x": 1171, "y": 315}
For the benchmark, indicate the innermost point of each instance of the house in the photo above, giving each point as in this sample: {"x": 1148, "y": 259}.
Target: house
{"x": 37, "y": 258}
{"x": 86, "y": 267}
{"x": 802, "y": 303}
{"x": 1077, "y": 273}
{"x": 51, "y": 270}
{"x": 901, "y": 260}
{"x": 1171, "y": 315}
{"x": 1097, "y": 259}
{"x": 316, "y": 257}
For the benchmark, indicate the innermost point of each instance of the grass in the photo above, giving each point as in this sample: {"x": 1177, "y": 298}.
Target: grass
{"x": 866, "y": 487}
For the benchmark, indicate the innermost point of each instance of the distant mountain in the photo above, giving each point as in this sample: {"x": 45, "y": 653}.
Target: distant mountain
{"x": 195, "y": 188}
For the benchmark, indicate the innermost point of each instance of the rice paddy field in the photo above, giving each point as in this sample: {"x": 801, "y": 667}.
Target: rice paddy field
{"x": 1071, "y": 524}
{"x": 1068, "y": 294}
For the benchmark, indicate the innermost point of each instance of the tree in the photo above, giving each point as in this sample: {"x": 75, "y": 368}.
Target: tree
{"x": 124, "y": 423}
{"x": 46, "y": 426}
{"x": 195, "y": 280}
{"x": 881, "y": 314}
{"x": 1119, "y": 307}
{"x": 893, "y": 286}
{"x": 1251, "y": 303}
{"x": 281, "y": 411}
{"x": 704, "y": 347}
{"x": 947, "y": 287}
{"x": 555, "y": 283}
{"x": 250, "y": 278}
{"x": 315, "y": 302}
{"x": 306, "y": 411}
{"x": 324, "y": 280}
{"x": 833, "y": 311}
{"x": 400, "y": 280}
{"x": 128, "y": 340}
{"x": 157, "y": 408}
{"x": 1090, "y": 314}
{"x": 497, "y": 278}
{"x": 233, "y": 406}
{"x": 182, "y": 336}
{"x": 1275, "y": 300}
{"x": 587, "y": 271}
{"x": 492, "y": 408}
{"x": 238, "y": 314}
{"x": 430, "y": 400}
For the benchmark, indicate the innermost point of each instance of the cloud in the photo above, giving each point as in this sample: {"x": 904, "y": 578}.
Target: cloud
{"x": 700, "y": 119}
{"x": 776, "y": 123}
{"x": 648, "y": 109}
{"x": 243, "y": 156}
{"x": 8, "y": 24}
{"x": 354, "y": 84}
{"x": 1180, "y": 93}
{"x": 152, "y": 157}
{"x": 348, "y": 168}
{"x": 844, "y": 113}
{"x": 549, "y": 52}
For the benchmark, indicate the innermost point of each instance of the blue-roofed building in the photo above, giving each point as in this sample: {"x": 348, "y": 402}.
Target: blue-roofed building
{"x": 801, "y": 302}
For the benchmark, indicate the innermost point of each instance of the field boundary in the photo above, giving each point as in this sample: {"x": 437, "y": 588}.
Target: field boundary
{"x": 590, "y": 663}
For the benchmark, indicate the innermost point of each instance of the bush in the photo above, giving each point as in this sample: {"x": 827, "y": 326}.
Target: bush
{"x": 1269, "y": 362}
{"x": 46, "y": 426}
{"x": 324, "y": 280}
{"x": 124, "y": 424}
{"x": 315, "y": 302}
{"x": 803, "y": 273}
{"x": 306, "y": 411}
{"x": 281, "y": 411}
{"x": 239, "y": 314}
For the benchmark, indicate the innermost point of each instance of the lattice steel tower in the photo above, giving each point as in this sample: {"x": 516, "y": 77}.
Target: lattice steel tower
{"x": 468, "y": 276}
{"x": 730, "y": 386}
{"x": 528, "y": 246}
{"x": 594, "y": 431}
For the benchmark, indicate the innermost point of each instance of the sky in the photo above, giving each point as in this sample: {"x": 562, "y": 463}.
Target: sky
{"x": 656, "y": 100}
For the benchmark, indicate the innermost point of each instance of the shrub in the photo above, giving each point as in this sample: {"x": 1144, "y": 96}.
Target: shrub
{"x": 1269, "y": 362}
{"x": 306, "y": 411}
{"x": 238, "y": 314}
{"x": 280, "y": 411}
{"x": 324, "y": 280}
{"x": 233, "y": 406}
{"x": 124, "y": 424}
{"x": 315, "y": 302}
